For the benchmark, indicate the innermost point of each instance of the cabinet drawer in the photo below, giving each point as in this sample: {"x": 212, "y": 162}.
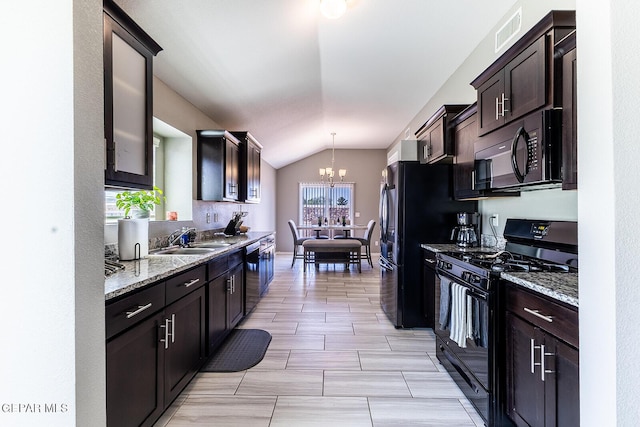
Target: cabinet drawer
{"x": 184, "y": 283}
{"x": 235, "y": 259}
{"x": 553, "y": 317}
{"x": 124, "y": 313}
{"x": 217, "y": 267}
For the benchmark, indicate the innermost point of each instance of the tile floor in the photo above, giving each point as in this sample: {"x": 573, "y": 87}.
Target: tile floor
{"x": 334, "y": 360}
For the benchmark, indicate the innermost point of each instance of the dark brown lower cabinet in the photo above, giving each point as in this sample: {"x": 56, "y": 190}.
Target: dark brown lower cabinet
{"x": 428, "y": 286}
{"x": 236, "y": 296}
{"x": 542, "y": 370}
{"x": 135, "y": 375}
{"x": 152, "y": 361}
{"x": 185, "y": 347}
{"x": 225, "y": 305}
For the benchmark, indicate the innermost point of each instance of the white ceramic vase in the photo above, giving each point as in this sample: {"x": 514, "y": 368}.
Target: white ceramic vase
{"x": 133, "y": 238}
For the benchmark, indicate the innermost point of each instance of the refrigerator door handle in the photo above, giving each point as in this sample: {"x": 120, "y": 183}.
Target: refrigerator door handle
{"x": 384, "y": 211}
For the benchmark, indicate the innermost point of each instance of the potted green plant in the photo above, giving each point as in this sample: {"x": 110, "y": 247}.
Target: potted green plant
{"x": 133, "y": 232}
{"x": 140, "y": 202}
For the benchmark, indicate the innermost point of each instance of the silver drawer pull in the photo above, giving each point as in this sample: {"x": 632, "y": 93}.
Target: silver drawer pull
{"x": 193, "y": 282}
{"x": 537, "y": 314}
{"x": 138, "y": 310}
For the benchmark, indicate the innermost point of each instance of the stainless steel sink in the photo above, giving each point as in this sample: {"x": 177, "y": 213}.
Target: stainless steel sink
{"x": 212, "y": 245}
{"x": 184, "y": 251}
{"x": 203, "y": 248}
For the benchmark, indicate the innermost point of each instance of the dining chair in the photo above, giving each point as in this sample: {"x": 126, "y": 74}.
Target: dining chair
{"x": 366, "y": 241}
{"x": 297, "y": 241}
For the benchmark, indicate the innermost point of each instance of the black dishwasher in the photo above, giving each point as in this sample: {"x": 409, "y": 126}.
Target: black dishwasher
{"x": 252, "y": 276}
{"x": 259, "y": 268}
{"x": 267, "y": 262}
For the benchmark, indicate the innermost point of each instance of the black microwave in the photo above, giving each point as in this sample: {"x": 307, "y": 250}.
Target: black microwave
{"x": 527, "y": 152}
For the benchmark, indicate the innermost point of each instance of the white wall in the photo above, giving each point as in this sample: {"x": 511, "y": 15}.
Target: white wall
{"x": 52, "y": 297}
{"x": 608, "y": 155}
{"x": 554, "y": 204}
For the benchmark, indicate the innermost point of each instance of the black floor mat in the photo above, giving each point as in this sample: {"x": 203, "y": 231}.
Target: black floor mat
{"x": 241, "y": 350}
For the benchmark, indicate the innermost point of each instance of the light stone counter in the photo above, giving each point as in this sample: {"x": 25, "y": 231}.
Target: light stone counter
{"x": 153, "y": 268}
{"x": 560, "y": 286}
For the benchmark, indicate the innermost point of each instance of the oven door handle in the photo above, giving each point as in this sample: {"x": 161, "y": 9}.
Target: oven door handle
{"x": 520, "y": 133}
{"x": 471, "y": 291}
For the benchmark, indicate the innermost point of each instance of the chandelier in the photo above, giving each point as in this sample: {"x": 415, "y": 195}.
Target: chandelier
{"x": 330, "y": 171}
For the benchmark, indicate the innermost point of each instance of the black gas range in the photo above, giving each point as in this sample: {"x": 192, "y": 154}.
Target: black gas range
{"x": 468, "y": 307}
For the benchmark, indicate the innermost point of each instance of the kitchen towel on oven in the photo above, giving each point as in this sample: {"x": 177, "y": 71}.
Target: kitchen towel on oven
{"x": 459, "y": 315}
{"x": 445, "y": 302}
{"x": 480, "y": 323}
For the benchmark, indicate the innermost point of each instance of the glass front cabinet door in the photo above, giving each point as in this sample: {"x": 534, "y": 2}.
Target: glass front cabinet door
{"x": 128, "y": 76}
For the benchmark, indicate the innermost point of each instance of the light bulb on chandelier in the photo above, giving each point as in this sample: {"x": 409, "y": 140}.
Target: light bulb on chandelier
{"x": 333, "y": 9}
{"x": 330, "y": 171}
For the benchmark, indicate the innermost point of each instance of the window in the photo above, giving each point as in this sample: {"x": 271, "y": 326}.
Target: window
{"x": 320, "y": 201}
{"x": 172, "y": 158}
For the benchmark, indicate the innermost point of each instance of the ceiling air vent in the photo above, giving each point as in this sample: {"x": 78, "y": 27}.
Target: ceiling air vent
{"x": 508, "y": 30}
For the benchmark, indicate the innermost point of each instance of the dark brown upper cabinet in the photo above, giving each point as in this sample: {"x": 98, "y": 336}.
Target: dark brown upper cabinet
{"x": 128, "y": 100}
{"x": 250, "y": 158}
{"x": 523, "y": 78}
{"x": 435, "y": 140}
{"x": 465, "y": 134}
{"x": 218, "y": 166}
{"x": 566, "y": 54}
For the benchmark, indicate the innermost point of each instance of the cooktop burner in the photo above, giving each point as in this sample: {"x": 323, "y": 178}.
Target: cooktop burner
{"x": 507, "y": 261}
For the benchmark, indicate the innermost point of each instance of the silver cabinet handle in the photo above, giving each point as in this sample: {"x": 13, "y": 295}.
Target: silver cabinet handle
{"x": 430, "y": 261}
{"x": 497, "y": 104}
{"x": 191, "y": 283}
{"x": 543, "y": 369}
{"x": 473, "y": 179}
{"x": 165, "y": 340}
{"x": 115, "y": 156}
{"x": 533, "y": 355}
{"x": 538, "y": 314}
{"x": 137, "y": 310}
{"x": 173, "y": 327}
{"x": 229, "y": 289}
{"x": 504, "y": 110}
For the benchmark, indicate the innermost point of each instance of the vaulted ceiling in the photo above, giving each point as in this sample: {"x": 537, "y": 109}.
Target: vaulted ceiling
{"x": 290, "y": 76}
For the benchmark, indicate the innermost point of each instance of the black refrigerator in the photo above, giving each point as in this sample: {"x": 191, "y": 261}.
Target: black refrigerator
{"x": 416, "y": 207}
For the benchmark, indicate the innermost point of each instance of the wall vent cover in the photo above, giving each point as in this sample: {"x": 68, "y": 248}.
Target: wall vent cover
{"x": 509, "y": 30}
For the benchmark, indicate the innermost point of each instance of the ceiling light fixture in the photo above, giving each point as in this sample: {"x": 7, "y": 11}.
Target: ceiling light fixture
{"x": 333, "y": 9}
{"x": 330, "y": 172}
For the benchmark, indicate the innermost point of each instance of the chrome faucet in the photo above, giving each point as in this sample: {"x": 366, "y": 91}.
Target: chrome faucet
{"x": 183, "y": 231}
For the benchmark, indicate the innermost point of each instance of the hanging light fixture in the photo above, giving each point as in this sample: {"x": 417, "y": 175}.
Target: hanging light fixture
{"x": 330, "y": 171}
{"x": 333, "y": 9}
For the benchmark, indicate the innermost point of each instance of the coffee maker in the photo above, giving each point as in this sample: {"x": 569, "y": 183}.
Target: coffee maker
{"x": 466, "y": 233}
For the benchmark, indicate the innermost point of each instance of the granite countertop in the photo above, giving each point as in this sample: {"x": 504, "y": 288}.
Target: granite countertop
{"x": 140, "y": 273}
{"x": 560, "y": 286}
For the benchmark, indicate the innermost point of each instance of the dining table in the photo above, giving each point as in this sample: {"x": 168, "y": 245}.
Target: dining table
{"x": 332, "y": 229}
